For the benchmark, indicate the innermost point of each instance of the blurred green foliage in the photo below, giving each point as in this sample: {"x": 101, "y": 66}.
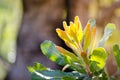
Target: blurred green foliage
{"x": 95, "y": 11}
{"x": 10, "y": 18}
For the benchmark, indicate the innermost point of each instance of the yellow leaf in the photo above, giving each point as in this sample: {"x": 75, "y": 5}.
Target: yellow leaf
{"x": 71, "y": 45}
{"x": 72, "y": 32}
{"x": 62, "y": 34}
{"x": 78, "y": 29}
{"x": 80, "y": 33}
{"x": 65, "y": 26}
{"x": 87, "y": 37}
{"x": 76, "y": 22}
{"x": 93, "y": 40}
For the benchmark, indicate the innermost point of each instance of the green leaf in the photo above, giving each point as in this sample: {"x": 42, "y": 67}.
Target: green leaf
{"x": 78, "y": 67}
{"x": 87, "y": 78}
{"x": 37, "y": 66}
{"x": 68, "y": 78}
{"x": 117, "y": 54}
{"x": 55, "y": 75}
{"x": 93, "y": 66}
{"x": 48, "y": 48}
{"x": 98, "y": 59}
{"x": 107, "y": 33}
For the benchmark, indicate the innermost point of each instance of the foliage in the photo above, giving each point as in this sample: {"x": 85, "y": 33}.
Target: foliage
{"x": 87, "y": 59}
{"x": 10, "y": 20}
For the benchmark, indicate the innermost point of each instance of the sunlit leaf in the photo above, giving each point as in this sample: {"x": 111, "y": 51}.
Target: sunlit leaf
{"x": 72, "y": 29}
{"x": 93, "y": 40}
{"x": 117, "y": 54}
{"x": 80, "y": 33}
{"x": 98, "y": 58}
{"x": 62, "y": 34}
{"x": 77, "y": 23}
{"x": 78, "y": 29}
{"x": 87, "y": 36}
{"x": 67, "y": 53}
{"x": 65, "y": 26}
{"x": 107, "y": 33}
{"x": 37, "y": 66}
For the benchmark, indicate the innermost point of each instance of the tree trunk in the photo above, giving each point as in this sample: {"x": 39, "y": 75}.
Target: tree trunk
{"x": 40, "y": 19}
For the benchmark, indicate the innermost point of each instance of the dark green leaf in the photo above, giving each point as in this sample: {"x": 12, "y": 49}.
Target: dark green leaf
{"x": 68, "y": 78}
{"x": 117, "y": 54}
{"x": 78, "y": 67}
{"x": 87, "y": 78}
{"x": 55, "y": 75}
{"x": 49, "y": 50}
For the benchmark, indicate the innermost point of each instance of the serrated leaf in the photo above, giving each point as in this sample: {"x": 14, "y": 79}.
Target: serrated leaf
{"x": 107, "y": 33}
{"x": 98, "y": 58}
{"x": 117, "y": 54}
{"x": 48, "y": 48}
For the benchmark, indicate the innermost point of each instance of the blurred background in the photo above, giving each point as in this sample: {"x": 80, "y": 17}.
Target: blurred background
{"x": 24, "y": 24}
